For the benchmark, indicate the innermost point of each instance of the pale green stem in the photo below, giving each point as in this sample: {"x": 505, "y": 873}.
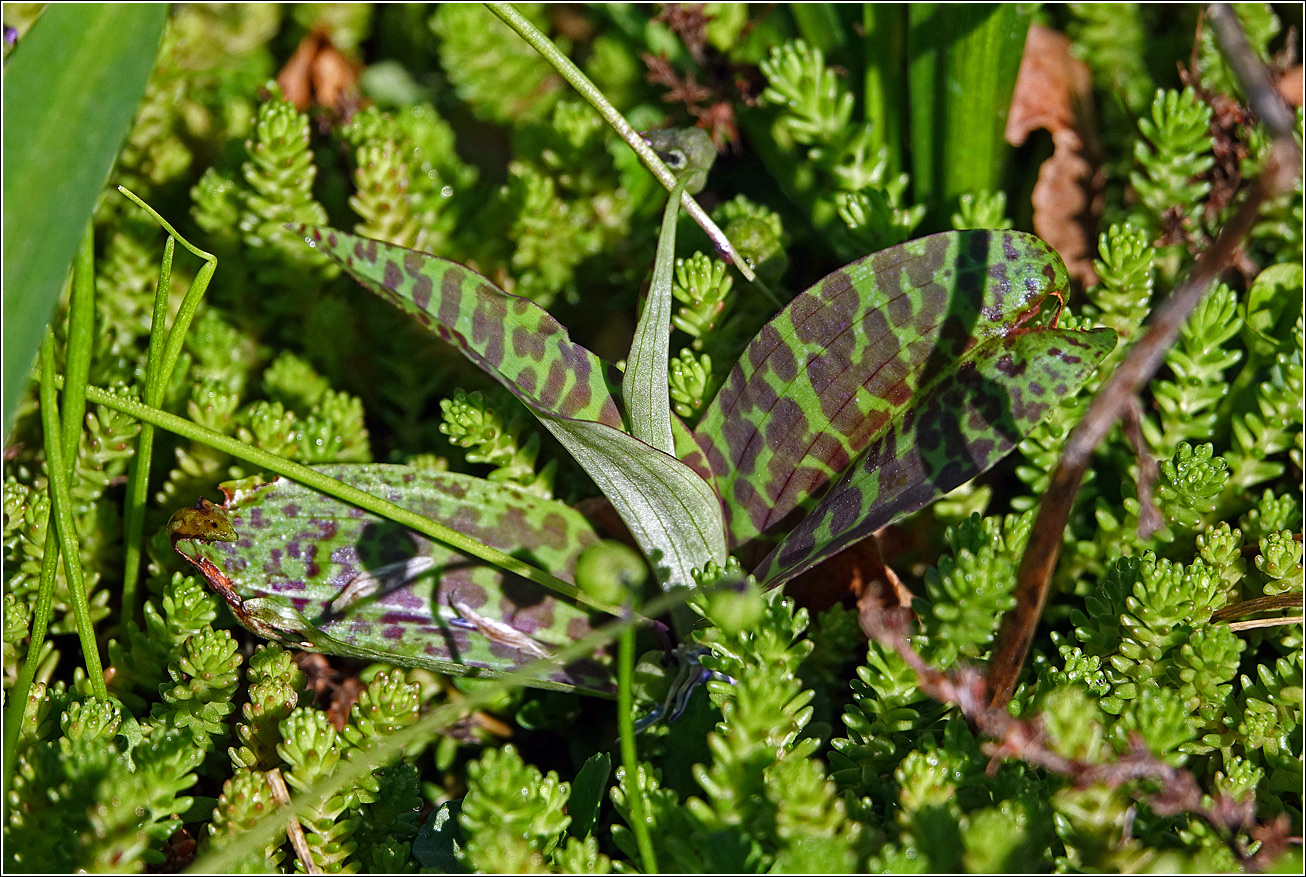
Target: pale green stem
{"x": 644, "y": 385}
{"x": 61, "y": 502}
{"x": 588, "y": 90}
{"x": 629, "y": 755}
{"x": 345, "y": 493}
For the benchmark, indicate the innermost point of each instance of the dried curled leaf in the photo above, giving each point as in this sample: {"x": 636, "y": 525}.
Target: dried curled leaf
{"x": 1053, "y": 92}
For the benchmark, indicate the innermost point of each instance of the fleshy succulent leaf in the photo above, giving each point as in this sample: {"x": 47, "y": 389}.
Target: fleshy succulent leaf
{"x": 316, "y": 573}
{"x": 851, "y": 360}
{"x": 673, "y": 513}
{"x": 957, "y": 429}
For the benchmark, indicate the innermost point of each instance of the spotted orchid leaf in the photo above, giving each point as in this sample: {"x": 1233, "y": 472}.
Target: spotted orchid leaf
{"x": 510, "y": 338}
{"x": 863, "y": 361}
{"x": 957, "y": 430}
{"x": 671, "y": 510}
{"x": 315, "y": 573}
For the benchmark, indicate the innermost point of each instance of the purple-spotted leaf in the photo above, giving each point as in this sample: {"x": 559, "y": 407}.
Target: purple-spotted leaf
{"x": 857, "y": 358}
{"x": 671, "y": 510}
{"x": 959, "y": 428}
{"x": 319, "y": 574}
{"x": 512, "y": 339}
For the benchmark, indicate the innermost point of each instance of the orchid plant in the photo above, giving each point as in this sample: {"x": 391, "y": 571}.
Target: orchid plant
{"x": 882, "y": 387}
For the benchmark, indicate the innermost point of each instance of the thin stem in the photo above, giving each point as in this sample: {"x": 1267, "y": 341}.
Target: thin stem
{"x": 194, "y": 250}
{"x": 295, "y": 831}
{"x": 155, "y": 381}
{"x": 77, "y": 354}
{"x": 138, "y": 476}
{"x": 189, "y": 304}
{"x": 345, "y": 493}
{"x": 161, "y": 362}
{"x": 1255, "y": 623}
{"x": 588, "y": 90}
{"x": 1271, "y": 603}
{"x": 77, "y": 361}
{"x": 61, "y": 503}
{"x": 629, "y": 755}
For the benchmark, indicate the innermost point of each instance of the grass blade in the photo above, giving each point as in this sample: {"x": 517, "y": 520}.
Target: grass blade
{"x": 71, "y": 90}
{"x": 962, "y": 72}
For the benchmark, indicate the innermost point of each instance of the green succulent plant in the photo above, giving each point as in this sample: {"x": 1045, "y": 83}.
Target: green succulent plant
{"x": 889, "y": 338}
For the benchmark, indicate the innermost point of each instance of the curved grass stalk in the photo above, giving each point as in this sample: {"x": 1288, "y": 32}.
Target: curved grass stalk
{"x": 61, "y": 444}
{"x": 160, "y": 362}
{"x": 60, "y": 469}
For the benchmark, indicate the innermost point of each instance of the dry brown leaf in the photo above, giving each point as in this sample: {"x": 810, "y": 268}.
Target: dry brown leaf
{"x": 858, "y": 573}
{"x": 1053, "y": 93}
{"x": 317, "y": 74}
{"x": 1290, "y": 85}
{"x": 296, "y": 78}
{"x": 319, "y": 676}
{"x": 343, "y": 698}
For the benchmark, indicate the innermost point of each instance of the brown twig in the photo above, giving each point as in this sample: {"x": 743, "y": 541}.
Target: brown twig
{"x": 1149, "y": 516}
{"x": 281, "y": 795}
{"x": 1271, "y": 603}
{"x": 1280, "y": 171}
{"x": 1177, "y": 790}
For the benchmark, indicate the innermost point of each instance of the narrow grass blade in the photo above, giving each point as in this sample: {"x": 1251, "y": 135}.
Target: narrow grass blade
{"x": 71, "y": 89}
{"x": 161, "y": 360}
{"x": 61, "y": 508}
{"x": 961, "y": 75}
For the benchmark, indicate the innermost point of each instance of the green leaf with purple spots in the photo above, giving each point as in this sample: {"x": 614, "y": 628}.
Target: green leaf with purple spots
{"x": 319, "y": 574}
{"x": 512, "y": 339}
{"x": 959, "y": 428}
{"x": 858, "y": 361}
{"x": 671, "y": 510}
